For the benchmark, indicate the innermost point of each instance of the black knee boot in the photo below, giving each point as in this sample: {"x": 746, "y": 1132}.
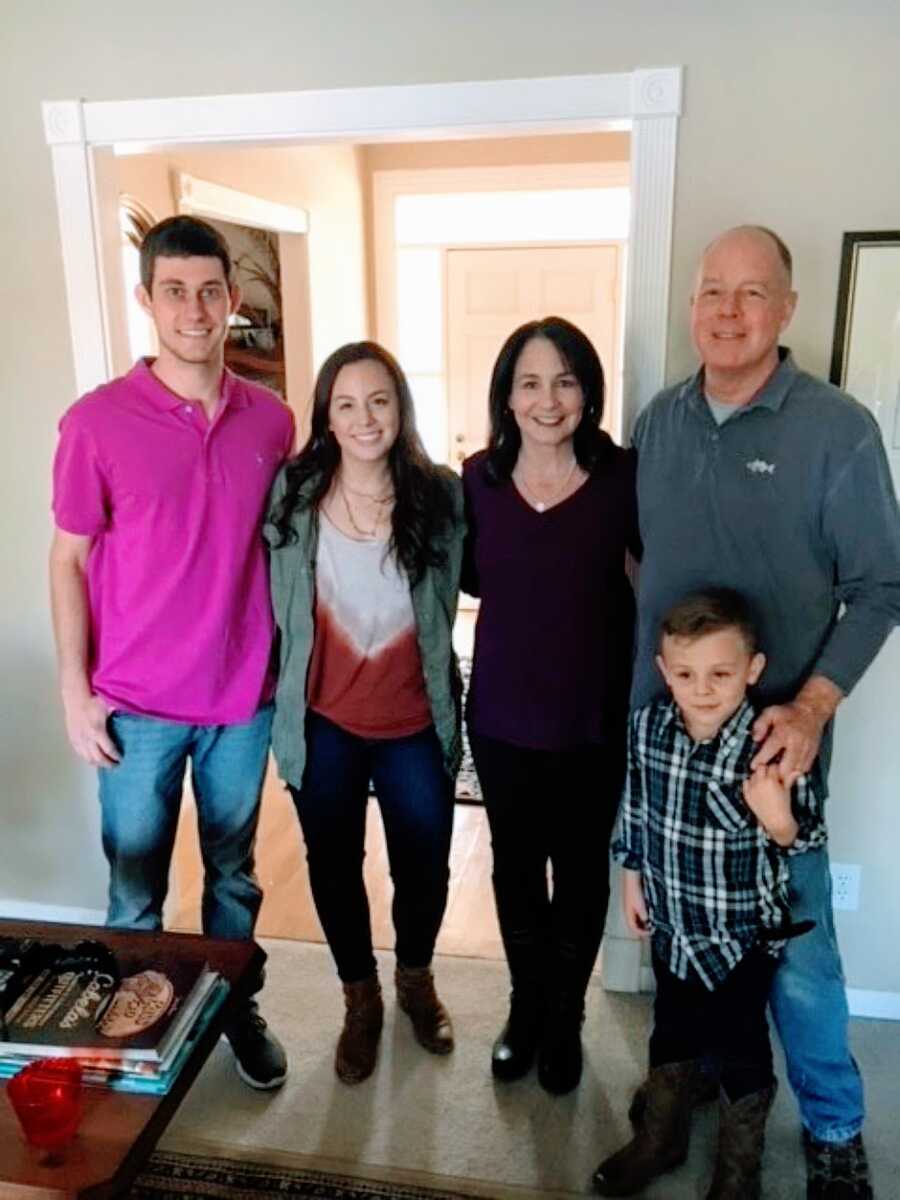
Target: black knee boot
{"x": 514, "y": 1050}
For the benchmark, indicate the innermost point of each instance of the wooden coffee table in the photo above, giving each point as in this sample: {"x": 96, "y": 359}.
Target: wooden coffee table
{"x": 119, "y": 1129}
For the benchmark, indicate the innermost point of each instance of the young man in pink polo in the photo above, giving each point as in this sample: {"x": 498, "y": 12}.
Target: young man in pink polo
{"x": 161, "y": 604}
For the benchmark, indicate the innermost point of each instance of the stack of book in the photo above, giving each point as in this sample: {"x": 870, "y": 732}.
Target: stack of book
{"x": 130, "y": 1020}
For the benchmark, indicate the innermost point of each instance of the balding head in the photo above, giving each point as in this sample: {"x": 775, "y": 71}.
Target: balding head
{"x": 741, "y": 304}
{"x": 765, "y": 236}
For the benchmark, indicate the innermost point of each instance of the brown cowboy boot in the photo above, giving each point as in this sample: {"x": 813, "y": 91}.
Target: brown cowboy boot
{"x": 357, "y": 1047}
{"x": 704, "y": 1091}
{"x": 418, "y": 999}
{"x": 742, "y": 1129}
{"x": 661, "y": 1141}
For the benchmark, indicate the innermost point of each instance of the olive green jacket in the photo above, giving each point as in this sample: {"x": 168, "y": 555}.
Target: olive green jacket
{"x": 434, "y": 599}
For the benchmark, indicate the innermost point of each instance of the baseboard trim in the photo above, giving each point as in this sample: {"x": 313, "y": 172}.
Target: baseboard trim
{"x": 880, "y": 1006}
{"x": 23, "y": 910}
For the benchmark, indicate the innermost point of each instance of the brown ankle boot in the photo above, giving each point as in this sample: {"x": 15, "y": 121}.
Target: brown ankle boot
{"x": 742, "y": 1129}
{"x": 418, "y": 999}
{"x": 357, "y": 1047}
{"x": 661, "y": 1141}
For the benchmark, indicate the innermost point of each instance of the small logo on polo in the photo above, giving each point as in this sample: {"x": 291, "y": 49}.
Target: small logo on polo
{"x": 759, "y": 466}
{"x": 259, "y": 459}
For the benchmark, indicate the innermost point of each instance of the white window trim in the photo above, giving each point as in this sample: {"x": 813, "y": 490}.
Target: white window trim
{"x": 646, "y": 102}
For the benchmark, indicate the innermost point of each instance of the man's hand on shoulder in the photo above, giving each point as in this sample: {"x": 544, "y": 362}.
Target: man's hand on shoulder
{"x": 791, "y": 733}
{"x": 86, "y": 725}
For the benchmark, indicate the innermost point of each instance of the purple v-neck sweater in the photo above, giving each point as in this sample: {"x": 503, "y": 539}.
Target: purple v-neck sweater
{"x": 555, "y": 631}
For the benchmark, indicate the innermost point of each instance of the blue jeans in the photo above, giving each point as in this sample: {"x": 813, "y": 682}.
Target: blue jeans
{"x": 414, "y": 793}
{"x": 809, "y": 1006}
{"x": 140, "y": 799}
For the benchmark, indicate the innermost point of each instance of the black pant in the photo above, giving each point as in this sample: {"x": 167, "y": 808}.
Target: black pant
{"x": 728, "y": 1024}
{"x": 557, "y": 807}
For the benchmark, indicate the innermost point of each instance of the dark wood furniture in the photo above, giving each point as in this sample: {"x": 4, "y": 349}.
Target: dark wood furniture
{"x": 119, "y": 1129}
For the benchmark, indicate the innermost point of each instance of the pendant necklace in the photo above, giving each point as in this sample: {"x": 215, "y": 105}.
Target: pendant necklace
{"x": 542, "y": 505}
{"x": 379, "y": 500}
{"x": 366, "y": 533}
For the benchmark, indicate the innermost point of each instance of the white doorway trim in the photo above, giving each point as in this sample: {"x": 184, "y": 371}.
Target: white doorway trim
{"x": 646, "y": 102}
{"x": 83, "y": 135}
{"x": 200, "y": 198}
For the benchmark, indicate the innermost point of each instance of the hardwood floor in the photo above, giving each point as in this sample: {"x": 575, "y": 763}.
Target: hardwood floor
{"x": 470, "y": 924}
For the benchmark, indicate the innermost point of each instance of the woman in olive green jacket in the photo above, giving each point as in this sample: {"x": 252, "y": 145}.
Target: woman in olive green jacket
{"x": 366, "y": 535}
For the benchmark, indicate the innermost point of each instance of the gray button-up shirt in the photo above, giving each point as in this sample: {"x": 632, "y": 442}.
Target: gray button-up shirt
{"x": 791, "y": 503}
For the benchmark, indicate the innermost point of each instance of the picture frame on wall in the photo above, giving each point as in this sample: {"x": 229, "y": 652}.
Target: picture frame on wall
{"x": 865, "y": 357}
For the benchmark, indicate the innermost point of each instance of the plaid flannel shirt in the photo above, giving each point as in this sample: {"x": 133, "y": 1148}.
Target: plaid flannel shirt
{"x": 712, "y": 878}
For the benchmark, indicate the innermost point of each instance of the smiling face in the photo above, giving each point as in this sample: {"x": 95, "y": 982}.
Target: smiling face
{"x": 189, "y": 302}
{"x": 546, "y": 398}
{"x": 364, "y": 411}
{"x": 708, "y": 677}
{"x": 741, "y": 304}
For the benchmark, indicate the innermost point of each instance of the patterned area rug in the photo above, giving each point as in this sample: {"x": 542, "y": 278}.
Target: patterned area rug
{"x": 182, "y": 1177}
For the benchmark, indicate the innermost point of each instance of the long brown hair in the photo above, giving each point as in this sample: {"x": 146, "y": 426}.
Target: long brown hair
{"x": 422, "y": 504}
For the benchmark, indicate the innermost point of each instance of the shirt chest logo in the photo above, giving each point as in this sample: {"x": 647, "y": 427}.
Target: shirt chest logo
{"x": 759, "y": 466}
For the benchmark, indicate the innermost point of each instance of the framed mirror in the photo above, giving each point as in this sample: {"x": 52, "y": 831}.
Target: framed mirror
{"x": 865, "y": 357}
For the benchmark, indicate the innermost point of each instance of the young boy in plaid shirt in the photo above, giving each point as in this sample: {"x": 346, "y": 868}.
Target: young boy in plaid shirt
{"x": 702, "y": 840}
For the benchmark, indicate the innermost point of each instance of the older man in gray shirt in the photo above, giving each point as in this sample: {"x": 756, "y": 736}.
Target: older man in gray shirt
{"x": 754, "y": 475}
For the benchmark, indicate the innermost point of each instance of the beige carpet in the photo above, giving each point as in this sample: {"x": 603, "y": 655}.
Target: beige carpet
{"x": 428, "y": 1120}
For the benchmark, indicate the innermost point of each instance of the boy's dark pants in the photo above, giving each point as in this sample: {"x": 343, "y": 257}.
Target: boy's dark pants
{"x": 728, "y": 1024}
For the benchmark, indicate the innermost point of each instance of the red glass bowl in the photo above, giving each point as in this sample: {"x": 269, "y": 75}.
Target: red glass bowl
{"x": 47, "y": 1098}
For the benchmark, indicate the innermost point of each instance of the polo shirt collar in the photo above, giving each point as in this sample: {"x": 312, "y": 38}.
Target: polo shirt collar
{"x": 771, "y": 396}
{"x": 152, "y": 389}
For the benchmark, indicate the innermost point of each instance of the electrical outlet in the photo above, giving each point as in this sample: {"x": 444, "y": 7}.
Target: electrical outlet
{"x": 845, "y": 886}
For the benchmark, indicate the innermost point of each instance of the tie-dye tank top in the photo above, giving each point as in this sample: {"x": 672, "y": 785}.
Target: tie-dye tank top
{"x": 366, "y": 670}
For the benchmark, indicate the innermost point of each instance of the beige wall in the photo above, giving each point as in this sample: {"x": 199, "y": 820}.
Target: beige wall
{"x": 498, "y": 152}
{"x": 790, "y": 119}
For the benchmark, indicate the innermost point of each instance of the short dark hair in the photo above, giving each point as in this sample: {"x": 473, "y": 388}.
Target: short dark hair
{"x": 710, "y": 611}
{"x": 580, "y": 357}
{"x": 182, "y": 237}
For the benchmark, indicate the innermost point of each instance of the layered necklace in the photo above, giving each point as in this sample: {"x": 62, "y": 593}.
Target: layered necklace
{"x": 380, "y": 502}
{"x": 542, "y": 505}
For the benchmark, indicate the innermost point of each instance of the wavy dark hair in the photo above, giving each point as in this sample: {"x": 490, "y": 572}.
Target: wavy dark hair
{"x": 591, "y": 444}
{"x": 423, "y": 508}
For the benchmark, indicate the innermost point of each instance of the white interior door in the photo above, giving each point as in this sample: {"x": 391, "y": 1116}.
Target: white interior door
{"x": 490, "y": 292}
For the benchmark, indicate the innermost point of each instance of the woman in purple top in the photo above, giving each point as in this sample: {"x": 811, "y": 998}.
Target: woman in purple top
{"x": 552, "y": 511}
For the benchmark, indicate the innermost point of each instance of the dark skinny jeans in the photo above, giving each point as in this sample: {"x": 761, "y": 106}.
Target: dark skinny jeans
{"x": 415, "y": 797}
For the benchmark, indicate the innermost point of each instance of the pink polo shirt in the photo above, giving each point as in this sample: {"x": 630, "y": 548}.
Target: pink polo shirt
{"x": 177, "y": 578}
